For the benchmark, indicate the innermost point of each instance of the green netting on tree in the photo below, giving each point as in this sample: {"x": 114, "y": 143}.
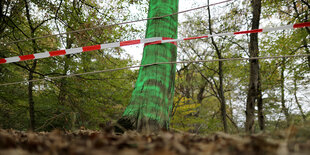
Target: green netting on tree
{"x": 152, "y": 98}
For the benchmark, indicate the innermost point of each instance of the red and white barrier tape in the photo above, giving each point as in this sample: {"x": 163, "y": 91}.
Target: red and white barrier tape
{"x": 148, "y": 41}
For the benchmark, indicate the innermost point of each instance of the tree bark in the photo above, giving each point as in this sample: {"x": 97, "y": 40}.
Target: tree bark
{"x": 284, "y": 108}
{"x": 307, "y": 50}
{"x": 254, "y": 69}
{"x": 30, "y": 97}
{"x": 32, "y": 69}
{"x": 260, "y": 107}
{"x": 221, "y": 76}
{"x": 2, "y": 17}
{"x": 63, "y": 82}
{"x": 151, "y": 102}
{"x": 233, "y": 122}
{"x": 296, "y": 99}
{"x": 200, "y": 96}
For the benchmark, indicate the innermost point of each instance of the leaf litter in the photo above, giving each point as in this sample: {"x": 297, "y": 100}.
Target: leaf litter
{"x": 294, "y": 140}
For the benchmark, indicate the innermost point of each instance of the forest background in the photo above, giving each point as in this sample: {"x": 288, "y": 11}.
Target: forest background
{"x": 97, "y": 100}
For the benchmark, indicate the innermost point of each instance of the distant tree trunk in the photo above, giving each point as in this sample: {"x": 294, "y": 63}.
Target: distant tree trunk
{"x": 296, "y": 99}
{"x": 221, "y": 77}
{"x": 151, "y": 101}
{"x": 233, "y": 122}
{"x": 260, "y": 108}
{"x": 32, "y": 69}
{"x": 254, "y": 69}
{"x": 3, "y": 22}
{"x": 284, "y": 108}
{"x": 200, "y": 96}
{"x": 303, "y": 16}
{"x": 307, "y": 49}
{"x": 30, "y": 97}
{"x": 188, "y": 78}
{"x": 63, "y": 82}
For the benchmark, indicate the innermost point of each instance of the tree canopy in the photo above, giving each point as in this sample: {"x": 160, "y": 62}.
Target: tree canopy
{"x": 208, "y": 97}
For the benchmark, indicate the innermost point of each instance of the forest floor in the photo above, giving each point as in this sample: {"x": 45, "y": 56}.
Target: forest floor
{"x": 294, "y": 140}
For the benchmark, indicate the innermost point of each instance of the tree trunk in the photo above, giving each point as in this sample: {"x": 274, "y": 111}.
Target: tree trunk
{"x": 63, "y": 82}
{"x": 254, "y": 69}
{"x": 30, "y": 97}
{"x": 221, "y": 94}
{"x": 221, "y": 77}
{"x": 307, "y": 50}
{"x": 188, "y": 79}
{"x": 2, "y": 18}
{"x": 152, "y": 98}
{"x": 284, "y": 108}
{"x": 260, "y": 108}
{"x": 297, "y": 102}
{"x": 30, "y": 88}
{"x": 32, "y": 69}
{"x": 296, "y": 99}
{"x": 200, "y": 96}
{"x": 233, "y": 122}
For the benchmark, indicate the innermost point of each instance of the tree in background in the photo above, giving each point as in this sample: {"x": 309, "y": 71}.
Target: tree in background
{"x": 90, "y": 100}
{"x": 220, "y": 88}
{"x": 285, "y": 76}
{"x": 86, "y": 100}
{"x": 151, "y": 102}
{"x": 254, "y": 91}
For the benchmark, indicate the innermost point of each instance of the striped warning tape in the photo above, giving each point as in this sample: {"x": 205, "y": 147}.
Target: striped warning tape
{"x": 147, "y": 41}
{"x": 46, "y": 78}
{"x": 128, "y": 22}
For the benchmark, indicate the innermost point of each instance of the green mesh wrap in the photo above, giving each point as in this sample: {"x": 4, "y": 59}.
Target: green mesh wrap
{"x": 152, "y": 98}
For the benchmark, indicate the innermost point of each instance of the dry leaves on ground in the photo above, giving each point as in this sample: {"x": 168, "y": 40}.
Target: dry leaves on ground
{"x": 81, "y": 142}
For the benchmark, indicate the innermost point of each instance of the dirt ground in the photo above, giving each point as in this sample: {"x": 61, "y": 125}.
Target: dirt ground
{"x": 294, "y": 141}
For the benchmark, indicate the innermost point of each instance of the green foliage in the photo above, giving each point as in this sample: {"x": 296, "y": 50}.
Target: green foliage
{"x": 90, "y": 100}
{"x": 66, "y": 103}
{"x": 237, "y": 18}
